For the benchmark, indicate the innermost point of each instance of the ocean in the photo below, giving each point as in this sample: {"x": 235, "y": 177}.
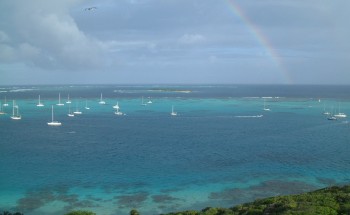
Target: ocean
{"x": 220, "y": 150}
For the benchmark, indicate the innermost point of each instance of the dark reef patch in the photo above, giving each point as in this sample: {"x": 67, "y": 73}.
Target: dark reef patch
{"x": 132, "y": 200}
{"x": 164, "y": 199}
{"x": 36, "y": 199}
{"x": 262, "y": 190}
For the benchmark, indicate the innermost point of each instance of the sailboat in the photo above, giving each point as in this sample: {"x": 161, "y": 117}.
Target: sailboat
{"x": 143, "y": 104}
{"x": 68, "y": 100}
{"x": 172, "y": 111}
{"x": 77, "y": 111}
{"x": 332, "y": 117}
{"x": 117, "y": 112}
{"x": 53, "y": 123}
{"x": 101, "y": 102}
{"x": 324, "y": 110}
{"x": 59, "y": 100}
{"x": 39, "y": 103}
{"x": 149, "y": 100}
{"x": 1, "y": 109}
{"x": 116, "y": 106}
{"x": 15, "y": 116}
{"x": 86, "y": 107}
{"x": 339, "y": 114}
{"x": 5, "y": 103}
{"x": 70, "y": 114}
{"x": 265, "y": 108}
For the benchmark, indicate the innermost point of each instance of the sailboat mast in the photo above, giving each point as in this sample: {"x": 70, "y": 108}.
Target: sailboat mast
{"x": 13, "y": 107}
{"x": 52, "y": 113}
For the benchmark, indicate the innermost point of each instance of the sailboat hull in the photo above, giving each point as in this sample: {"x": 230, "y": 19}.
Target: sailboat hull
{"x": 54, "y": 123}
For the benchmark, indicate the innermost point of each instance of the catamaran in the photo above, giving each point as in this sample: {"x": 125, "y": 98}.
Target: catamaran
{"x": 16, "y": 115}
{"x": 59, "y": 100}
{"x": 53, "y": 123}
{"x": 101, "y": 102}
{"x": 172, "y": 111}
{"x": 39, "y": 103}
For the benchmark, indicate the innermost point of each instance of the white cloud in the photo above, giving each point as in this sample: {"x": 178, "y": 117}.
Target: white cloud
{"x": 45, "y": 32}
{"x": 191, "y": 39}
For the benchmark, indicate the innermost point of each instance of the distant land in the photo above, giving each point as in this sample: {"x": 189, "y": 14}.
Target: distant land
{"x": 170, "y": 90}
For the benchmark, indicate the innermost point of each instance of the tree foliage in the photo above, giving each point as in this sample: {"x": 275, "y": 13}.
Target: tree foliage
{"x": 327, "y": 201}
{"x": 80, "y": 213}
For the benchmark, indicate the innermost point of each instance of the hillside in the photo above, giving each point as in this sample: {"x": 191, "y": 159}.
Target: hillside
{"x": 327, "y": 201}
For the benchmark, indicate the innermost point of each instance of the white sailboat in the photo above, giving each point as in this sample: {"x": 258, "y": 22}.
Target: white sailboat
{"x": 70, "y": 114}
{"x": 101, "y": 102}
{"x": 340, "y": 114}
{"x": 331, "y": 116}
{"x": 172, "y": 111}
{"x": 324, "y": 110}
{"x": 77, "y": 111}
{"x": 143, "y": 104}
{"x": 116, "y": 106}
{"x": 53, "y": 123}
{"x": 68, "y": 100}
{"x": 5, "y": 103}
{"x": 59, "y": 100}
{"x": 16, "y": 115}
{"x": 265, "y": 108}
{"x": 117, "y": 112}
{"x": 39, "y": 103}
{"x": 1, "y": 109}
{"x": 86, "y": 106}
{"x": 149, "y": 100}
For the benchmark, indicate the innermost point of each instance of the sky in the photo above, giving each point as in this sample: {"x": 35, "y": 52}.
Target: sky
{"x": 174, "y": 42}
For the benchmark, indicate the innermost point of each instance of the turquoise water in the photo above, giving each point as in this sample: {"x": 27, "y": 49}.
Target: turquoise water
{"x": 218, "y": 150}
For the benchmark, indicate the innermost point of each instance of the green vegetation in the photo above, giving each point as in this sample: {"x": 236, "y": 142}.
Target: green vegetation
{"x": 328, "y": 201}
{"x": 8, "y": 213}
{"x": 134, "y": 212}
{"x": 80, "y": 213}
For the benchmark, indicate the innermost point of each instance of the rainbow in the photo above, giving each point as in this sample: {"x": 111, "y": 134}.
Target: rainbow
{"x": 261, "y": 39}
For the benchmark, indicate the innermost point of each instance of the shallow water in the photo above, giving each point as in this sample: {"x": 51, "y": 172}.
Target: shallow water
{"x": 218, "y": 151}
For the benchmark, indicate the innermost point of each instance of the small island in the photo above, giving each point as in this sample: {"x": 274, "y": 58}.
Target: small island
{"x": 170, "y": 90}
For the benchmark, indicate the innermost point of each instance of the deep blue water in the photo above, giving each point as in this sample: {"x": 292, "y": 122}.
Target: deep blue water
{"x": 215, "y": 152}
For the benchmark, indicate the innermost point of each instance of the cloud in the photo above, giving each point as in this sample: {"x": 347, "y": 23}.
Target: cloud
{"x": 44, "y": 34}
{"x": 191, "y": 39}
